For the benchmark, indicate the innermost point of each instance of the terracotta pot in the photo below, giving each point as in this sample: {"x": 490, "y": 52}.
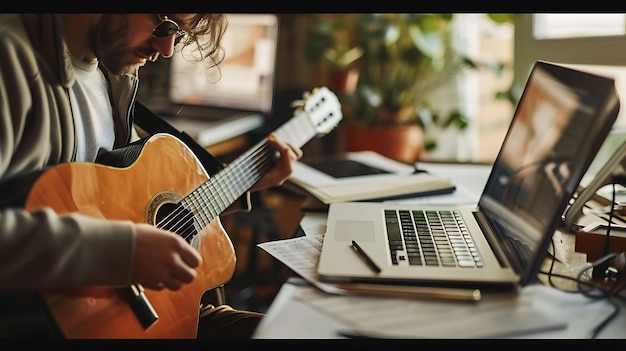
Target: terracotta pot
{"x": 403, "y": 143}
{"x": 342, "y": 81}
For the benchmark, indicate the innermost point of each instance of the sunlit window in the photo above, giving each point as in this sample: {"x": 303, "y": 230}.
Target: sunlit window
{"x": 578, "y": 25}
{"x": 595, "y": 42}
{"x": 590, "y": 41}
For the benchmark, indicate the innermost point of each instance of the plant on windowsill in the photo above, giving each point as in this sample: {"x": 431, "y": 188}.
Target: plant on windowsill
{"x": 402, "y": 59}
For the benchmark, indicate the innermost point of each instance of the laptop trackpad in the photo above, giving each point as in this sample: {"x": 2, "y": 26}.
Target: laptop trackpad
{"x": 354, "y": 230}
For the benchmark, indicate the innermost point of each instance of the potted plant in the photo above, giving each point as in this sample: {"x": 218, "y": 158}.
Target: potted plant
{"x": 401, "y": 59}
{"x": 331, "y": 45}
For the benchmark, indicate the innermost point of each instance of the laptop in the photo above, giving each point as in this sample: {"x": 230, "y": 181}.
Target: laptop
{"x": 212, "y": 105}
{"x": 561, "y": 120}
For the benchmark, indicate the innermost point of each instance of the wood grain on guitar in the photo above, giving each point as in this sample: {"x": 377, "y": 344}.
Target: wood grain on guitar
{"x": 165, "y": 186}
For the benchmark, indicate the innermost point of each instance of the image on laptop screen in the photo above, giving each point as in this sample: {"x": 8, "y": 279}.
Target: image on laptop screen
{"x": 244, "y": 80}
{"x": 548, "y": 148}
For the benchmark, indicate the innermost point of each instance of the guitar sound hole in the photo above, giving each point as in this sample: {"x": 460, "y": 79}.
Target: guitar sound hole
{"x": 177, "y": 219}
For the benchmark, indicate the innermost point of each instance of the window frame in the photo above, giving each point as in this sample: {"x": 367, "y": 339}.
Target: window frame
{"x": 596, "y": 50}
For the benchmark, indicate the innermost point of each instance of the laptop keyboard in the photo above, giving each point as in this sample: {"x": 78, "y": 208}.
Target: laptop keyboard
{"x": 430, "y": 238}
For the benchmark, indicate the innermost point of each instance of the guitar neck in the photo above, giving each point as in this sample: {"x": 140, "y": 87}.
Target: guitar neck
{"x": 210, "y": 199}
{"x": 297, "y": 131}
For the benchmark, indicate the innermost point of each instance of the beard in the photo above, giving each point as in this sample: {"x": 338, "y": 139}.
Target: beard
{"x": 112, "y": 45}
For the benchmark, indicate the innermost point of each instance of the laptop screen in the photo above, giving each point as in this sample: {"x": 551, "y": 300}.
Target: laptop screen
{"x": 244, "y": 80}
{"x": 560, "y": 122}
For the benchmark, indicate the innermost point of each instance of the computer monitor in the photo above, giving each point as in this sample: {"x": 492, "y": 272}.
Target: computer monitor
{"x": 245, "y": 79}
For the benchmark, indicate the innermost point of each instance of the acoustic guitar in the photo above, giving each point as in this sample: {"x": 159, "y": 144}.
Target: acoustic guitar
{"x": 165, "y": 185}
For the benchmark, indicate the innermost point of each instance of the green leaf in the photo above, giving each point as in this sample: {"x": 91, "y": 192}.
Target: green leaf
{"x": 502, "y": 18}
{"x": 431, "y": 44}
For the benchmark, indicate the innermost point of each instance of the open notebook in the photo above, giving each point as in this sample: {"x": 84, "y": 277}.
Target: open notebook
{"x": 560, "y": 122}
{"x": 365, "y": 176}
{"x": 212, "y": 105}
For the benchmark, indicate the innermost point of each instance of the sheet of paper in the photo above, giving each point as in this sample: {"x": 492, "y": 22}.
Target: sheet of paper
{"x": 301, "y": 255}
{"x": 314, "y": 223}
{"x": 499, "y": 316}
{"x": 407, "y": 317}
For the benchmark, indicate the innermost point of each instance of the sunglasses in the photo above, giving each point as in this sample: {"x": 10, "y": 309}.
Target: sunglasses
{"x": 168, "y": 27}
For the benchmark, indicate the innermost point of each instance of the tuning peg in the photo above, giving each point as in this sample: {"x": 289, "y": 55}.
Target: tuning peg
{"x": 296, "y": 103}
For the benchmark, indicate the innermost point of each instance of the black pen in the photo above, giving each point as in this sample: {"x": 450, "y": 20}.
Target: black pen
{"x": 365, "y": 257}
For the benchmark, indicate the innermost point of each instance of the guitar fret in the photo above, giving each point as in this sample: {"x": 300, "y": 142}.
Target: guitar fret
{"x": 205, "y": 218}
{"x": 225, "y": 187}
{"x": 221, "y": 194}
{"x": 297, "y": 131}
{"x": 225, "y": 192}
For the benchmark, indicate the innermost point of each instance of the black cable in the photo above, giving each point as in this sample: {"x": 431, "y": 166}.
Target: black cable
{"x": 603, "y": 292}
{"x": 549, "y": 273}
{"x": 608, "y": 295}
{"x": 602, "y": 270}
{"x": 595, "y": 331}
{"x": 593, "y": 290}
{"x": 586, "y": 283}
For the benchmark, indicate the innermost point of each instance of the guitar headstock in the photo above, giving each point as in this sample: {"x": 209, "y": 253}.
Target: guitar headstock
{"x": 323, "y": 108}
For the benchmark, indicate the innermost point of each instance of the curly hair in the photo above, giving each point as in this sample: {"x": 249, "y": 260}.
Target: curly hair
{"x": 205, "y": 31}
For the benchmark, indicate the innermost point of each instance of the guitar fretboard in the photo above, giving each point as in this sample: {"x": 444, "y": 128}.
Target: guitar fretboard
{"x": 217, "y": 194}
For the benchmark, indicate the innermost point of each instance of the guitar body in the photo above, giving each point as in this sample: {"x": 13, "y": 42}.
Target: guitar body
{"x": 164, "y": 171}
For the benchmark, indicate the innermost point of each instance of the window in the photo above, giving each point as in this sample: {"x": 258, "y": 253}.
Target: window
{"x": 588, "y": 41}
{"x": 489, "y": 118}
{"x": 577, "y": 25}
{"x": 592, "y": 41}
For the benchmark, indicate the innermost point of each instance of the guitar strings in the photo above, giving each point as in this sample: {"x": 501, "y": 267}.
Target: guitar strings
{"x": 212, "y": 186}
{"x": 256, "y": 163}
{"x": 247, "y": 169}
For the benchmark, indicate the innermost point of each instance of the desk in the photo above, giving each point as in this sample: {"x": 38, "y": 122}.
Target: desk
{"x": 291, "y": 317}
